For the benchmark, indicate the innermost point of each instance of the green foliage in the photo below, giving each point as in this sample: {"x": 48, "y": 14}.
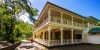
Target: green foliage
{"x": 10, "y": 28}
{"x": 22, "y": 30}
{"x": 94, "y": 20}
{"x": 98, "y": 24}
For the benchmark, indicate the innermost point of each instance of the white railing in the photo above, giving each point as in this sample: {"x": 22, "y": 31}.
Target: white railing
{"x": 77, "y": 40}
{"x": 65, "y": 21}
{"x": 68, "y": 22}
{"x": 41, "y": 41}
{"x": 92, "y": 26}
{"x": 67, "y": 41}
{"x": 86, "y": 25}
{"x": 45, "y": 21}
{"x": 77, "y": 24}
{"x": 55, "y": 20}
{"x": 55, "y": 42}
{"x": 58, "y": 42}
{"x": 46, "y": 42}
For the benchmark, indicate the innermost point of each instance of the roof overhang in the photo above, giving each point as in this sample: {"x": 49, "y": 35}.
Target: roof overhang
{"x": 94, "y": 30}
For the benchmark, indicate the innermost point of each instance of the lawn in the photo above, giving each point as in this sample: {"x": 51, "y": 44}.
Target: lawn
{"x": 97, "y": 46}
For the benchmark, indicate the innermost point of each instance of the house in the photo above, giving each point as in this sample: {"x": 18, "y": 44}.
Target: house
{"x": 93, "y": 35}
{"x": 59, "y": 26}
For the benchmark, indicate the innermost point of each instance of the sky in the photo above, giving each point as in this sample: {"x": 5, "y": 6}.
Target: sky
{"x": 82, "y": 7}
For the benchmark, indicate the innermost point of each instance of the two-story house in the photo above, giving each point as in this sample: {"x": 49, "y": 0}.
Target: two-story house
{"x": 59, "y": 26}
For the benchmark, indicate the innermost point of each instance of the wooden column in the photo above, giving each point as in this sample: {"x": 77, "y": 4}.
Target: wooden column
{"x": 72, "y": 20}
{"x": 88, "y": 25}
{"x": 61, "y": 29}
{"x": 43, "y": 35}
{"x": 72, "y": 38}
{"x": 83, "y": 24}
{"x": 49, "y": 16}
{"x": 61, "y": 17}
{"x": 49, "y": 35}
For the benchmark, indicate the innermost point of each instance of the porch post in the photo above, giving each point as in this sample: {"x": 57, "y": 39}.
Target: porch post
{"x": 72, "y": 20}
{"x": 72, "y": 32}
{"x": 49, "y": 35}
{"x": 61, "y": 29}
{"x": 49, "y": 16}
{"x": 88, "y": 25}
{"x": 72, "y": 38}
{"x": 83, "y": 23}
{"x": 61, "y": 18}
{"x": 43, "y": 35}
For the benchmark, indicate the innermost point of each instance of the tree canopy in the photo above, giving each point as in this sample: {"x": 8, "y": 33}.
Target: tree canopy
{"x": 10, "y": 26}
{"x": 22, "y": 30}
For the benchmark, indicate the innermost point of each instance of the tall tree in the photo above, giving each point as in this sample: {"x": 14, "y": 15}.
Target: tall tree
{"x": 22, "y": 30}
{"x": 11, "y": 10}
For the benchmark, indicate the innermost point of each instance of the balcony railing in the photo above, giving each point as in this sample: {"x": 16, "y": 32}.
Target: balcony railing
{"x": 67, "y": 22}
{"x": 78, "y": 24}
{"x": 67, "y": 41}
{"x": 58, "y": 42}
{"x": 45, "y": 21}
{"x": 77, "y": 40}
{"x": 55, "y": 42}
{"x": 92, "y": 26}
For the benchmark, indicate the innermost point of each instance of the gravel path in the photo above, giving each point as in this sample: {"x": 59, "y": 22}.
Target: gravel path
{"x": 1, "y": 46}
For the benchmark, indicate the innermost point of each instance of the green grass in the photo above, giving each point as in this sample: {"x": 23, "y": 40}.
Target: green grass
{"x": 97, "y": 46}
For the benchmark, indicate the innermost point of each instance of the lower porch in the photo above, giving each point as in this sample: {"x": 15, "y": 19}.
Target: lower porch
{"x": 58, "y": 36}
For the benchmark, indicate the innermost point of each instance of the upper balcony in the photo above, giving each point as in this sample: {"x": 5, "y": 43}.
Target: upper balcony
{"x": 63, "y": 18}
{"x": 66, "y": 22}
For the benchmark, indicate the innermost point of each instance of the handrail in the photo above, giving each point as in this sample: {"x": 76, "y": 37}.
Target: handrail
{"x": 58, "y": 42}
{"x": 46, "y": 20}
{"x": 68, "y": 22}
